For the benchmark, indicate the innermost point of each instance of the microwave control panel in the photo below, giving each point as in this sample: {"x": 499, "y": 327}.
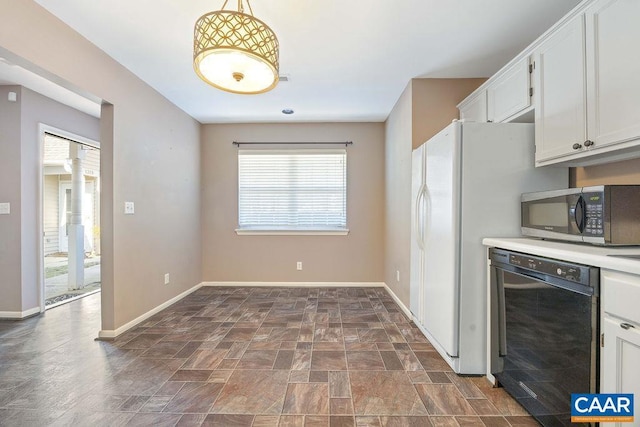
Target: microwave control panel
{"x": 594, "y": 214}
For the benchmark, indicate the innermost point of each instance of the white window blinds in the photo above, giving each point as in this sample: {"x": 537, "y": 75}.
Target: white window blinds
{"x": 292, "y": 189}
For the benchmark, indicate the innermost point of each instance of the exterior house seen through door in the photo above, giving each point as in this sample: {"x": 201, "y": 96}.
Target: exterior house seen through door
{"x": 65, "y": 217}
{"x": 70, "y": 218}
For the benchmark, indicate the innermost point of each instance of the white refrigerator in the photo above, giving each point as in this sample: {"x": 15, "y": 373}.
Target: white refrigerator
{"x": 466, "y": 185}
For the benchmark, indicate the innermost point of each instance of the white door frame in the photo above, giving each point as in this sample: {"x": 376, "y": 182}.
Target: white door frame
{"x": 42, "y": 129}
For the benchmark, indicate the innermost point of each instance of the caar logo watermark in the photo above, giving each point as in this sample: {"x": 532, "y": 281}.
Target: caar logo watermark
{"x": 586, "y": 408}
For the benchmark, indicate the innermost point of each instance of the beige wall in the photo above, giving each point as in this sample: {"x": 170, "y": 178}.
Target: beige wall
{"x": 10, "y": 144}
{"x": 20, "y": 155}
{"x": 625, "y": 172}
{"x": 397, "y": 232}
{"x": 434, "y": 104}
{"x": 357, "y": 257}
{"x": 150, "y": 154}
{"x": 39, "y": 109}
{"x": 424, "y": 108}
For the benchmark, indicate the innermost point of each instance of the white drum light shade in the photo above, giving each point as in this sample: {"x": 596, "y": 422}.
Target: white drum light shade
{"x": 235, "y": 52}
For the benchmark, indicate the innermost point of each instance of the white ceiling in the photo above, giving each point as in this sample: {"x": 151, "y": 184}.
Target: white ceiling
{"x": 347, "y": 60}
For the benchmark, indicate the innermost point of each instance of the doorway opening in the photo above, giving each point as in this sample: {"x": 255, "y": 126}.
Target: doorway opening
{"x": 70, "y": 217}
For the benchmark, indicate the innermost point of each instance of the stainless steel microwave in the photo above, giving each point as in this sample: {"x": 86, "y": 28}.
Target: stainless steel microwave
{"x": 602, "y": 215}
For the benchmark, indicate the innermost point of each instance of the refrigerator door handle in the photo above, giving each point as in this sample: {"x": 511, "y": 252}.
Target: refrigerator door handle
{"x": 425, "y": 202}
{"x": 418, "y": 219}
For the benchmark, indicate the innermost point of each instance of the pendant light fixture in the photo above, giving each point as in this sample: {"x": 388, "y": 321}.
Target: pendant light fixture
{"x": 235, "y": 52}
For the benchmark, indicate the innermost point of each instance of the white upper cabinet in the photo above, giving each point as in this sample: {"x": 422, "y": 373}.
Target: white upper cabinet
{"x": 585, "y": 82}
{"x": 588, "y": 85}
{"x": 560, "y": 95}
{"x": 613, "y": 71}
{"x": 504, "y": 98}
{"x": 474, "y": 109}
{"x": 509, "y": 93}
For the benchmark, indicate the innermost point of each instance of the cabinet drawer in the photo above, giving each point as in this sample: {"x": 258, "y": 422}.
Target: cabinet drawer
{"x": 620, "y": 295}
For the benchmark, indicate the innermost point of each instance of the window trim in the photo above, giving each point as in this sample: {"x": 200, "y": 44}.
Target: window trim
{"x": 272, "y": 232}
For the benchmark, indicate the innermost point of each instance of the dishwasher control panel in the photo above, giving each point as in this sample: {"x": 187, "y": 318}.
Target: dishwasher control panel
{"x": 547, "y": 266}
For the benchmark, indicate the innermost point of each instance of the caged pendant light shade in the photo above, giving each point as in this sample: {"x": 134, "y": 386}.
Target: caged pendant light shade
{"x": 235, "y": 52}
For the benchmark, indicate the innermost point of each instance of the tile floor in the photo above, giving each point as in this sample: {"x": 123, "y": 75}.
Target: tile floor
{"x": 241, "y": 357}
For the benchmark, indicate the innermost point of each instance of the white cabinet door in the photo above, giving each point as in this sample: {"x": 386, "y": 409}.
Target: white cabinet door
{"x": 620, "y": 364}
{"x": 588, "y": 85}
{"x": 560, "y": 116}
{"x": 509, "y": 93}
{"x": 613, "y": 80}
{"x": 621, "y": 361}
{"x": 475, "y": 110}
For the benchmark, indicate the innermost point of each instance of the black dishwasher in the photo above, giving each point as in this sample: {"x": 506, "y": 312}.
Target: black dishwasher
{"x": 544, "y": 329}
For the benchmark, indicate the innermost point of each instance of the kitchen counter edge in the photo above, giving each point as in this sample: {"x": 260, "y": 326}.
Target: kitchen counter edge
{"x": 597, "y": 256}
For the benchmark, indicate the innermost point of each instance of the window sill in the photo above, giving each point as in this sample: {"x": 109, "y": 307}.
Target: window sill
{"x": 250, "y": 232}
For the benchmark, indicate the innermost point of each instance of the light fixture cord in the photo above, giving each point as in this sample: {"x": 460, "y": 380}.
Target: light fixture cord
{"x": 240, "y": 6}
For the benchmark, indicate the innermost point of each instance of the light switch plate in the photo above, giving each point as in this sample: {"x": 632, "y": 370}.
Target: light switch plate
{"x": 5, "y": 208}
{"x": 129, "y": 208}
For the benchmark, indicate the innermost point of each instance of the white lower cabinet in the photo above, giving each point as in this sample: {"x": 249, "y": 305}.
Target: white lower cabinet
{"x": 620, "y": 324}
{"x": 621, "y": 360}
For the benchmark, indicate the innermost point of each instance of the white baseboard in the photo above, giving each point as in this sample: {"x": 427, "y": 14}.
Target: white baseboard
{"x": 403, "y": 307}
{"x": 111, "y": 334}
{"x": 19, "y": 314}
{"x": 299, "y": 284}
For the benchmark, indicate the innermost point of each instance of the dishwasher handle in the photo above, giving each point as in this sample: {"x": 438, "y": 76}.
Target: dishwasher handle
{"x": 502, "y": 315}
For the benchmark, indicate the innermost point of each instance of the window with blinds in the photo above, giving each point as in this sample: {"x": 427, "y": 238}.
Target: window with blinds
{"x": 292, "y": 190}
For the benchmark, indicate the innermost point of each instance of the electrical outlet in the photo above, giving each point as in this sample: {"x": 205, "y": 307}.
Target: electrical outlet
{"x": 299, "y": 265}
{"x": 166, "y": 279}
{"x": 129, "y": 208}
{"x": 397, "y": 275}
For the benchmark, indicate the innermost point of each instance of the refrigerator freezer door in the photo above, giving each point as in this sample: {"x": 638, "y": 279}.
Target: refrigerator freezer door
{"x": 441, "y": 254}
{"x": 417, "y": 227}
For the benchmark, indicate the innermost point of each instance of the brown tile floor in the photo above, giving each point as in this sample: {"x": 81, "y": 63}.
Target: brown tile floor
{"x": 241, "y": 357}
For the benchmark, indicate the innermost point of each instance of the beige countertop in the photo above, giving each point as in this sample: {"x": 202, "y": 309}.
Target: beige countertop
{"x": 597, "y": 256}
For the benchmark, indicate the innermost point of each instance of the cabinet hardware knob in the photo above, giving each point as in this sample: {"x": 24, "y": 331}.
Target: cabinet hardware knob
{"x": 626, "y": 326}
{"x": 588, "y": 143}
{"x": 577, "y": 146}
